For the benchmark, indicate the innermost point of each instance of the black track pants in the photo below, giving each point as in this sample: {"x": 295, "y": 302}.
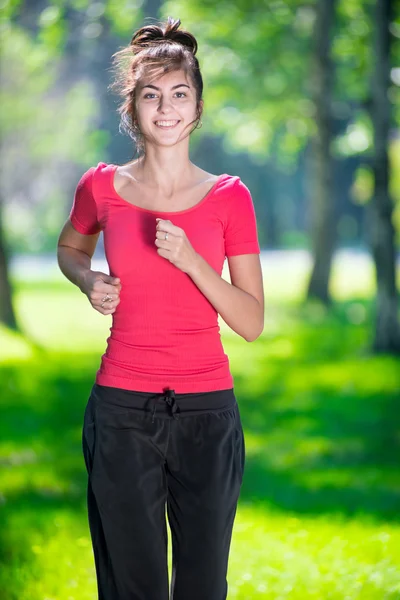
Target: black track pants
{"x": 147, "y": 452}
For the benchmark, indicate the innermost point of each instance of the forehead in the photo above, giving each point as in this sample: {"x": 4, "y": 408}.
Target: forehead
{"x": 167, "y": 80}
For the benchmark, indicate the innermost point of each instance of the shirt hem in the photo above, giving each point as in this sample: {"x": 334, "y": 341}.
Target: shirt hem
{"x": 82, "y": 228}
{"x": 236, "y": 250}
{"x": 150, "y": 385}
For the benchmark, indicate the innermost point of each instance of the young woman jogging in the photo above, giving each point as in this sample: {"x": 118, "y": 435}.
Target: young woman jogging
{"x": 162, "y": 429}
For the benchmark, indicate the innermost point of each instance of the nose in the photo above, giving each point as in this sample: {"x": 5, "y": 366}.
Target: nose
{"x": 164, "y": 105}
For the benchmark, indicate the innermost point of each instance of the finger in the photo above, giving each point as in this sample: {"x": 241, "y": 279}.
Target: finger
{"x": 105, "y": 308}
{"x": 108, "y": 289}
{"x": 165, "y": 225}
{"x": 108, "y": 297}
{"x": 105, "y": 288}
{"x": 100, "y": 292}
{"x": 110, "y": 301}
{"x": 165, "y": 253}
{"x": 161, "y": 235}
{"x": 97, "y": 297}
{"x": 105, "y": 305}
{"x": 163, "y": 244}
{"x": 104, "y": 297}
{"x": 110, "y": 279}
{"x": 109, "y": 305}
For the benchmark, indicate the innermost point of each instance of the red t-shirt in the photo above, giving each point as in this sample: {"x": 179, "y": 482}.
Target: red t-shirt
{"x": 164, "y": 332}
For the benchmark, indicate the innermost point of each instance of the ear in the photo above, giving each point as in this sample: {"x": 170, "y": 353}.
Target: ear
{"x": 201, "y": 106}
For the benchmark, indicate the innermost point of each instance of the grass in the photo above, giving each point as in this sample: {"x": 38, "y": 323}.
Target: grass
{"x": 319, "y": 510}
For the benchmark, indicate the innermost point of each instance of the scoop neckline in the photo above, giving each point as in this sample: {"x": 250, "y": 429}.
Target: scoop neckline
{"x": 164, "y": 212}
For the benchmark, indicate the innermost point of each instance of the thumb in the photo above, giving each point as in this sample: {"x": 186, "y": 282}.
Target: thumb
{"x": 111, "y": 280}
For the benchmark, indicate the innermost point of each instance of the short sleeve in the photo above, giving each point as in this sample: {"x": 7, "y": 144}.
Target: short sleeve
{"x": 241, "y": 236}
{"x": 83, "y": 213}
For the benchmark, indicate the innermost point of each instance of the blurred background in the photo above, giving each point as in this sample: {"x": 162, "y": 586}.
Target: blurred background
{"x": 302, "y": 101}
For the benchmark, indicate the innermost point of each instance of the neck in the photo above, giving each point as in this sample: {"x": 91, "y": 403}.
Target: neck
{"x": 165, "y": 169}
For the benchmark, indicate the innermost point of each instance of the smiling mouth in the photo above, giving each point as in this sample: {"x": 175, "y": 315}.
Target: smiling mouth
{"x": 166, "y": 124}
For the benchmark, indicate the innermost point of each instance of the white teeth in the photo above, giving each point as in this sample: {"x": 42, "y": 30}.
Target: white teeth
{"x": 166, "y": 123}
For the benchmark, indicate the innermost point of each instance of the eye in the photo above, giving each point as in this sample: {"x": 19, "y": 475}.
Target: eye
{"x": 148, "y": 95}
{"x": 183, "y": 95}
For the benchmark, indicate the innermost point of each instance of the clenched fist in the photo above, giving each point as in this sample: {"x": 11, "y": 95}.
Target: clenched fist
{"x": 102, "y": 291}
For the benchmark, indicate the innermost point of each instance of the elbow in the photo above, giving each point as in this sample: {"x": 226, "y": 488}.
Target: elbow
{"x": 252, "y": 338}
{"x": 254, "y": 335}
{"x": 258, "y": 327}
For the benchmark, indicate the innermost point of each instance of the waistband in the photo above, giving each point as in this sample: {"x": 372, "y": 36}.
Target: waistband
{"x": 168, "y": 402}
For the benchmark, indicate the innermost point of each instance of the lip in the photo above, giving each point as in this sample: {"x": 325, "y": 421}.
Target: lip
{"x": 167, "y": 128}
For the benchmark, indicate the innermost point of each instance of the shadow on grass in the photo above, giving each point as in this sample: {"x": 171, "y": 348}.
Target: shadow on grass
{"x": 42, "y": 468}
{"x": 323, "y": 459}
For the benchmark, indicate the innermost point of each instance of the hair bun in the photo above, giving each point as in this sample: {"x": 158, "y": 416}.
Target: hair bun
{"x": 152, "y": 35}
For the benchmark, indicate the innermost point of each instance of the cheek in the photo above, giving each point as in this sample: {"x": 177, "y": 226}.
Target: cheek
{"x": 144, "y": 113}
{"x": 189, "y": 110}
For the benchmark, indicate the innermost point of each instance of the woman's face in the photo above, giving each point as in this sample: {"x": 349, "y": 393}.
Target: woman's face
{"x": 166, "y": 108}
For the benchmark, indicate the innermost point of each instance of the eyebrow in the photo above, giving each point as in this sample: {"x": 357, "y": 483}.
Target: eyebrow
{"x": 154, "y": 87}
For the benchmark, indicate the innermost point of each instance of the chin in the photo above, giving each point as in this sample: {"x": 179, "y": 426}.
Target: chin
{"x": 163, "y": 140}
{"x": 168, "y": 144}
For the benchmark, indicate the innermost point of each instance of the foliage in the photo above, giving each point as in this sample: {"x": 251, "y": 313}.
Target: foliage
{"x": 257, "y": 65}
{"x": 257, "y": 60}
{"x": 40, "y": 140}
{"x": 44, "y": 96}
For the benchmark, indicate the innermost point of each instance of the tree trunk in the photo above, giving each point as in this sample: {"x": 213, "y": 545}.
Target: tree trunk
{"x": 7, "y": 315}
{"x": 380, "y": 209}
{"x": 323, "y": 225}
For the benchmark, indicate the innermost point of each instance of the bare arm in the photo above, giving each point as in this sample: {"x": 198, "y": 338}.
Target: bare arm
{"x": 74, "y": 255}
{"x": 75, "y": 252}
{"x": 240, "y": 303}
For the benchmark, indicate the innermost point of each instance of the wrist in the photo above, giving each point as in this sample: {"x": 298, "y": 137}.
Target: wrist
{"x": 81, "y": 279}
{"x": 196, "y": 265}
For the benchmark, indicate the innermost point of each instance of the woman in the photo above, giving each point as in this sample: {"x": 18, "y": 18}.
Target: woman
{"x": 162, "y": 428}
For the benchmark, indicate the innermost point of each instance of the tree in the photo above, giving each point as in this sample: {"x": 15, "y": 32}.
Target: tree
{"x": 257, "y": 60}
{"x": 387, "y": 329}
{"x": 52, "y": 55}
{"x": 7, "y": 313}
{"x": 37, "y": 146}
{"x": 323, "y": 230}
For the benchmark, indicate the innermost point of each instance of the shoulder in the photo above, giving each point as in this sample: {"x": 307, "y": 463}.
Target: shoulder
{"x": 234, "y": 186}
{"x": 88, "y": 176}
{"x": 95, "y": 177}
{"x": 102, "y": 168}
{"x": 223, "y": 182}
{"x": 236, "y": 200}
{"x": 123, "y": 174}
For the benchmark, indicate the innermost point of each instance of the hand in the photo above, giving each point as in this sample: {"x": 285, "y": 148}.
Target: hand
{"x": 97, "y": 285}
{"x": 177, "y": 248}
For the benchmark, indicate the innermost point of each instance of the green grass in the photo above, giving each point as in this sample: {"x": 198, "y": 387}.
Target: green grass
{"x": 319, "y": 510}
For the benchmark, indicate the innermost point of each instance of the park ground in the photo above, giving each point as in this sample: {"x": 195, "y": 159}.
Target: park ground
{"x": 319, "y": 512}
